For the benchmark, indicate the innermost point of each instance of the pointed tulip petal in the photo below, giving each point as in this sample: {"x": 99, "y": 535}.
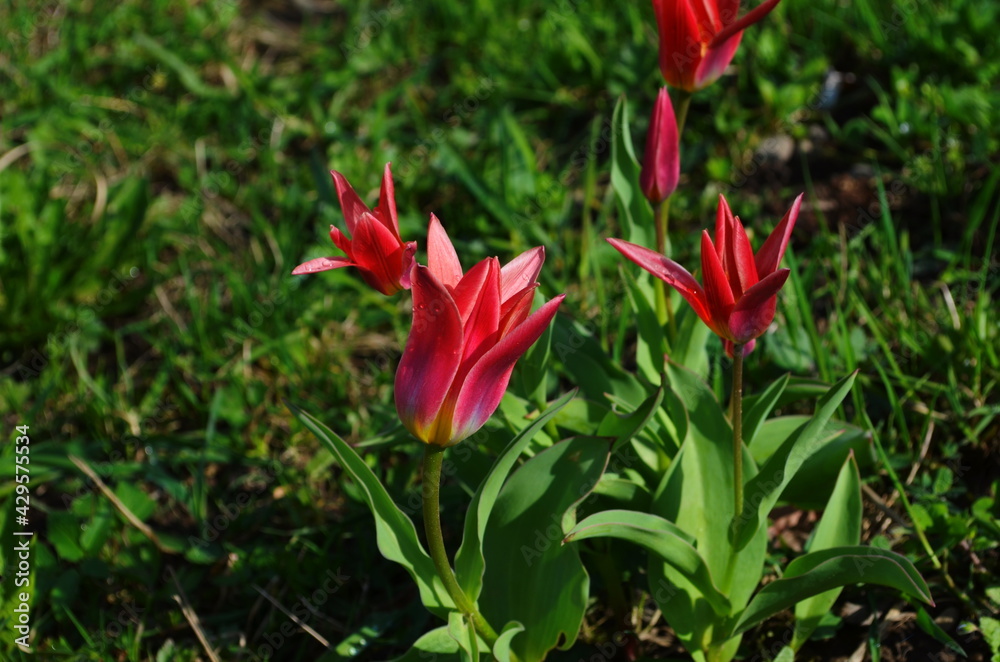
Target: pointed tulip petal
{"x": 442, "y": 259}
{"x": 770, "y": 254}
{"x": 515, "y": 310}
{"x": 486, "y": 382}
{"x": 387, "y": 203}
{"x": 717, "y": 291}
{"x": 741, "y": 267}
{"x": 431, "y": 357}
{"x": 751, "y": 17}
{"x": 724, "y": 222}
{"x": 716, "y": 59}
{"x": 340, "y": 240}
{"x": 521, "y": 272}
{"x": 378, "y": 254}
{"x": 409, "y": 250}
{"x": 680, "y": 47}
{"x": 670, "y": 273}
{"x": 477, "y": 298}
{"x": 755, "y": 311}
{"x": 350, "y": 204}
{"x": 321, "y": 264}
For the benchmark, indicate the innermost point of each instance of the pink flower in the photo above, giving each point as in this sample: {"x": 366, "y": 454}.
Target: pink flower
{"x": 468, "y": 331}
{"x": 661, "y": 164}
{"x": 698, "y": 38}
{"x": 740, "y": 294}
{"x": 375, "y": 247}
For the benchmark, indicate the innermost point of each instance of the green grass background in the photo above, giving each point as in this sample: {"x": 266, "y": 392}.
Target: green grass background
{"x": 164, "y": 165}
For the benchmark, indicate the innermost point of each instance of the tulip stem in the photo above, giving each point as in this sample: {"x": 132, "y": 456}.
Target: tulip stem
{"x": 664, "y": 311}
{"x": 433, "y": 457}
{"x": 737, "y": 403}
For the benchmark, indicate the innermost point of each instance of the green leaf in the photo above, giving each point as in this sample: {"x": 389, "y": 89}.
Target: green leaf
{"x": 821, "y": 571}
{"x": 785, "y": 655}
{"x": 437, "y": 645}
{"x": 651, "y": 343}
{"x": 590, "y": 367}
{"x": 623, "y": 428}
{"x": 673, "y": 545}
{"x": 697, "y": 496}
{"x": 64, "y": 534}
{"x": 812, "y": 484}
{"x": 635, "y": 214}
{"x": 762, "y": 407}
{"x": 762, "y": 491}
{"x": 469, "y": 562}
{"x": 530, "y": 576}
{"x": 463, "y": 631}
{"x": 840, "y": 526}
{"x": 501, "y": 649}
{"x": 688, "y": 349}
{"x": 928, "y": 625}
{"x": 395, "y": 533}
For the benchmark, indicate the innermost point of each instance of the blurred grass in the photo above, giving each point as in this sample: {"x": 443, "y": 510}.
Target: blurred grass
{"x": 163, "y": 166}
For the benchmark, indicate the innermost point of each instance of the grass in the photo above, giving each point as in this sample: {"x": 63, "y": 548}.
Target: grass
{"x": 163, "y": 166}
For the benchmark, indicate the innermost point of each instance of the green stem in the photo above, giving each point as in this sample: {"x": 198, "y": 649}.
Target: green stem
{"x": 433, "y": 457}
{"x": 737, "y": 403}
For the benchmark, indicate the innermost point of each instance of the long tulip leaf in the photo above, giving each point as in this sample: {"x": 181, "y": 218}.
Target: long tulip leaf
{"x": 660, "y": 537}
{"x": 829, "y": 569}
{"x": 395, "y": 533}
{"x": 762, "y": 491}
{"x": 840, "y": 526}
{"x": 469, "y": 564}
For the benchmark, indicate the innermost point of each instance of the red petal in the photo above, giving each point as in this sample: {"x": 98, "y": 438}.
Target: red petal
{"x": 708, "y": 17}
{"x": 321, "y": 264}
{"x": 670, "y": 273}
{"x": 728, "y": 11}
{"x": 431, "y": 357}
{"x": 680, "y": 42}
{"x": 751, "y": 17}
{"x": 350, "y": 203}
{"x": 739, "y": 255}
{"x": 770, "y": 254}
{"x": 340, "y": 240}
{"x": 378, "y": 254}
{"x": 485, "y": 384}
{"x": 387, "y": 203}
{"x": 515, "y": 310}
{"x": 477, "y": 297}
{"x": 717, "y": 291}
{"x": 409, "y": 251}
{"x": 715, "y": 61}
{"x": 755, "y": 311}
{"x": 521, "y": 272}
{"x": 441, "y": 256}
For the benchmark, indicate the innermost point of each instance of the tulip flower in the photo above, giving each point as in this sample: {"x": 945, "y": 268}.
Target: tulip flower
{"x": 374, "y": 247}
{"x": 468, "y": 331}
{"x": 740, "y": 292}
{"x": 698, "y": 38}
{"x": 661, "y": 164}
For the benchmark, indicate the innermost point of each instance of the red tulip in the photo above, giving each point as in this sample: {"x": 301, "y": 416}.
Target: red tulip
{"x": 468, "y": 331}
{"x": 661, "y": 164}
{"x": 698, "y": 38}
{"x": 740, "y": 293}
{"x": 375, "y": 246}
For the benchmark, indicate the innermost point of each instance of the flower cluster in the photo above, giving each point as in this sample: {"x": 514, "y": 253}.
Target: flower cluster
{"x": 469, "y": 328}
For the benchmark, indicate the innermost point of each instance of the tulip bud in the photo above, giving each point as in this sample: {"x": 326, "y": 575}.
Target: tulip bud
{"x": 661, "y": 163}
